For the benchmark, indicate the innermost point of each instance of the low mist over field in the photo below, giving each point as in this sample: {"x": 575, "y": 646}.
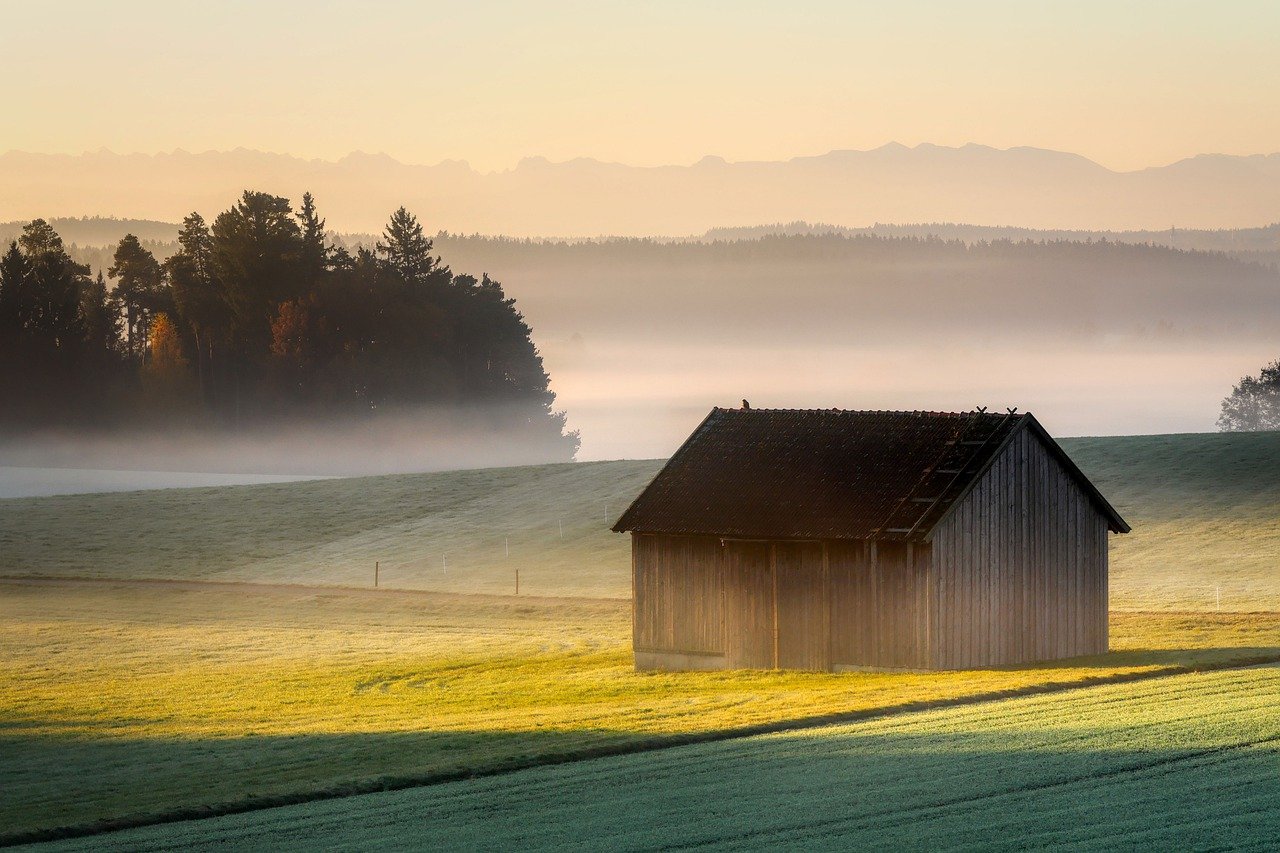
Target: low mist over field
{"x": 1097, "y": 333}
{"x": 1096, "y": 338}
{"x": 422, "y": 439}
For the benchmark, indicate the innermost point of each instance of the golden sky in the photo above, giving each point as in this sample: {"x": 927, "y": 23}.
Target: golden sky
{"x": 1126, "y": 84}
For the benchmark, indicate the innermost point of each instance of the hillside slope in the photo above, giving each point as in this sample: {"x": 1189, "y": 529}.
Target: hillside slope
{"x": 1205, "y": 509}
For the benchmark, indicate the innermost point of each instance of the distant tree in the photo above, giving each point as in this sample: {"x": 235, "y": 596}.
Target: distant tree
{"x": 42, "y": 329}
{"x": 198, "y": 297}
{"x": 405, "y": 250}
{"x": 166, "y": 374}
{"x": 101, "y": 313}
{"x": 1254, "y": 403}
{"x": 140, "y": 289}
{"x": 15, "y": 295}
{"x": 257, "y": 250}
{"x": 54, "y": 284}
{"x": 314, "y": 252}
{"x": 291, "y": 331}
{"x": 166, "y": 361}
{"x": 39, "y": 239}
{"x": 197, "y": 243}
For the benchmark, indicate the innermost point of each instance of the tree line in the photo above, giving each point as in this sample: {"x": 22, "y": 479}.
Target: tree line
{"x": 260, "y": 316}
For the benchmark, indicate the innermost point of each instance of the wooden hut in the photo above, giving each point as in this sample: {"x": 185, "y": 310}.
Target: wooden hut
{"x": 835, "y": 540}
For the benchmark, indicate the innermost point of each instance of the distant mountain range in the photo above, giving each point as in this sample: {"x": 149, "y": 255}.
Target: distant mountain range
{"x": 1026, "y": 187}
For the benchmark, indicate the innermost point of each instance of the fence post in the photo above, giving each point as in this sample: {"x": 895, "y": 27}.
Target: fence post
{"x": 375, "y": 574}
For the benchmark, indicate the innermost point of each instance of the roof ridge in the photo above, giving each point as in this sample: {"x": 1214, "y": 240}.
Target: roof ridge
{"x": 837, "y": 410}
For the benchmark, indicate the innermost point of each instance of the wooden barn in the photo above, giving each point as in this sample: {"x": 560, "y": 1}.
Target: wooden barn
{"x": 835, "y": 540}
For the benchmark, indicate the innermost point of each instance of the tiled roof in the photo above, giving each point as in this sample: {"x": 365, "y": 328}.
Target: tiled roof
{"x": 823, "y": 474}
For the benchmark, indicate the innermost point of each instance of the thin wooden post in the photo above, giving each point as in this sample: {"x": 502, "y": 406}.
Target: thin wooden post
{"x": 517, "y": 581}
{"x": 444, "y": 562}
{"x": 560, "y": 523}
{"x": 375, "y": 573}
{"x": 506, "y": 546}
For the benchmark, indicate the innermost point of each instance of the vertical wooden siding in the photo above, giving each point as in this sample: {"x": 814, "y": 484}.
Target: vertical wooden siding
{"x": 749, "y": 623}
{"x": 878, "y": 604}
{"x": 678, "y": 594}
{"x": 1019, "y": 567}
{"x": 802, "y": 605}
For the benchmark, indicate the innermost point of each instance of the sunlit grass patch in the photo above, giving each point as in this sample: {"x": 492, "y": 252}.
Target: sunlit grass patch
{"x": 1184, "y": 762}
{"x": 121, "y": 699}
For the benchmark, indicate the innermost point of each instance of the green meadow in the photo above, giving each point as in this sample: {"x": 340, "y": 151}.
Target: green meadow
{"x": 134, "y": 699}
{"x": 1187, "y": 762}
{"x": 203, "y": 651}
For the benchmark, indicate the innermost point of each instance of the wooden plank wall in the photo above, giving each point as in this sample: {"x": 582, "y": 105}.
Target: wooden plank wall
{"x": 878, "y": 604}
{"x": 1019, "y": 568}
{"x": 678, "y": 594}
{"x": 750, "y": 641}
{"x": 800, "y": 586}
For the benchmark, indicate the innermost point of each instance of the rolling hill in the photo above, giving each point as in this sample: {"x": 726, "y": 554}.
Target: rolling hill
{"x": 1205, "y": 509}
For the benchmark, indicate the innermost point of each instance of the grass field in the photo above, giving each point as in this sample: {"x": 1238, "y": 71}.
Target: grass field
{"x": 459, "y": 531}
{"x": 1188, "y": 762}
{"x": 124, "y": 698}
{"x": 1205, "y": 511}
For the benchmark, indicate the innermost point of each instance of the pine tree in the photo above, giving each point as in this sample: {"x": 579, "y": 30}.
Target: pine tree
{"x": 198, "y": 297}
{"x": 315, "y": 254}
{"x": 102, "y": 321}
{"x": 139, "y": 287}
{"x": 405, "y": 250}
{"x": 39, "y": 240}
{"x": 15, "y": 297}
{"x": 54, "y": 284}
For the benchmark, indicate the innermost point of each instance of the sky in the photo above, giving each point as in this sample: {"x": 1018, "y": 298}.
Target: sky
{"x": 1128, "y": 85}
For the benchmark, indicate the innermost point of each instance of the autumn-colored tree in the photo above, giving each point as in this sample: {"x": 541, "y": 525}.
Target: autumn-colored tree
{"x": 291, "y": 331}
{"x": 166, "y": 365}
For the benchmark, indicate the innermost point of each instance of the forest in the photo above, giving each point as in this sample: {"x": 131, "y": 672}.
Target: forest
{"x": 259, "y": 317}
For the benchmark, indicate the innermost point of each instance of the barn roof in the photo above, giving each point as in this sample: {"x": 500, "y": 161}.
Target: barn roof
{"x": 830, "y": 473}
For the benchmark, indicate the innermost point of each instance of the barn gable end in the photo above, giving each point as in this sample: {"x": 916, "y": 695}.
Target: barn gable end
{"x": 1019, "y": 562}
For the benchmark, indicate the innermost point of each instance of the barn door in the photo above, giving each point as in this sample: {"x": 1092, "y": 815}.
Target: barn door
{"x": 802, "y": 608}
{"x": 748, "y": 613}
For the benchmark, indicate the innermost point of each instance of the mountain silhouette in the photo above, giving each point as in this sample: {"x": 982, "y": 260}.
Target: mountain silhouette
{"x": 976, "y": 184}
